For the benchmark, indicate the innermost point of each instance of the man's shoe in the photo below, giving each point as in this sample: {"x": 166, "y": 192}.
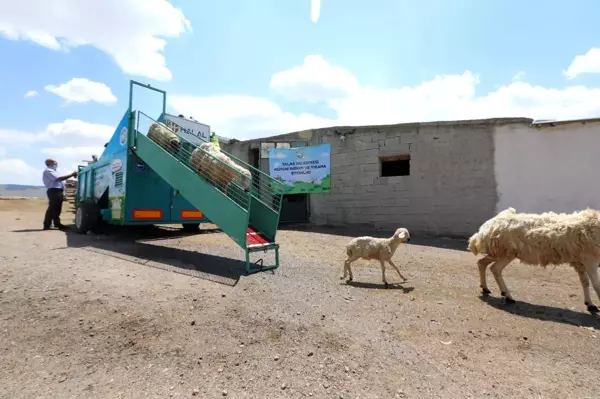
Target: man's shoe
{"x": 60, "y": 226}
{"x": 46, "y": 228}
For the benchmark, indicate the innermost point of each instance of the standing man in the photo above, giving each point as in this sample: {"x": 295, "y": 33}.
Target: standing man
{"x": 55, "y": 190}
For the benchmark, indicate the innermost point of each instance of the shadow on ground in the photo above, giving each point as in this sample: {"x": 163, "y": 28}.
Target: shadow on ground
{"x": 455, "y": 243}
{"x": 542, "y": 312}
{"x": 135, "y": 244}
{"x": 391, "y": 286}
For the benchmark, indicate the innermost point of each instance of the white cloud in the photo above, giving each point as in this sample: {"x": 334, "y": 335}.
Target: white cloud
{"x": 129, "y": 31}
{"x": 81, "y": 90}
{"x": 244, "y": 117}
{"x": 452, "y": 97}
{"x": 519, "y": 76}
{"x": 76, "y": 132}
{"x": 31, "y": 93}
{"x": 443, "y": 97}
{"x": 69, "y": 142}
{"x": 17, "y": 137}
{"x": 2, "y": 151}
{"x": 73, "y": 151}
{"x": 69, "y": 157}
{"x": 315, "y": 80}
{"x": 315, "y": 10}
{"x": 17, "y": 171}
{"x": 71, "y": 132}
{"x": 587, "y": 63}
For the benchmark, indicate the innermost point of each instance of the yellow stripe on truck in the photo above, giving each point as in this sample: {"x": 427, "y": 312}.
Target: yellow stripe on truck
{"x": 191, "y": 215}
{"x": 147, "y": 214}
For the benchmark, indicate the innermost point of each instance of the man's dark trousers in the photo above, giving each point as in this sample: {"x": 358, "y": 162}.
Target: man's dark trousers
{"x": 55, "y": 201}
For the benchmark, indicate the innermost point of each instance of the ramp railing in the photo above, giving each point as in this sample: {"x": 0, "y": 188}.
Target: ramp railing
{"x": 224, "y": 174}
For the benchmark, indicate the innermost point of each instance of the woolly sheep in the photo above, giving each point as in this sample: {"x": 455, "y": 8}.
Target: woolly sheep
{"x": 164, "y": 137}
{"x": 244, "y": 178}
{"x": 540, "y": 239}
{"x": 370, "y": 248}
{"x": 219, "y": 169}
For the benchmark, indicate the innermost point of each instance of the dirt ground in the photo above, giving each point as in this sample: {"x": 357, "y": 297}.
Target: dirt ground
{"x": 153, "y": 313}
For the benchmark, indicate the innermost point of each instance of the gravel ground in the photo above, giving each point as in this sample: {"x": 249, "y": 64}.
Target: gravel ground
{"x": 152, "y": 313}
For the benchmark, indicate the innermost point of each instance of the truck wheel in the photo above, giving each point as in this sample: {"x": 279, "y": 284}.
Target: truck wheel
{"x": 86, "y": 216}
{"x": 191, "y": 227}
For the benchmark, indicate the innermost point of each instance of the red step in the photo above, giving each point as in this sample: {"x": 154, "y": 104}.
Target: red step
{"x": 254, "y": 239}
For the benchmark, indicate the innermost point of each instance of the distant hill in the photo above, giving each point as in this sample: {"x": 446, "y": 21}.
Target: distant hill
{"x": 18, "y": 190}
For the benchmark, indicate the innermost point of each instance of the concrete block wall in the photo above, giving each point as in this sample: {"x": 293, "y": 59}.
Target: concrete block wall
{"x": 451, "y": 188}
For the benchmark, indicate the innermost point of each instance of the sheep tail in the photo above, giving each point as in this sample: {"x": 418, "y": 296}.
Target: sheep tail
{"x": 476, "y": 244}
{"x": 480, "y": 242}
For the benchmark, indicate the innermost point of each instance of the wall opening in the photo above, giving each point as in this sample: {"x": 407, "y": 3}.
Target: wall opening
{"x": 254, "y": 157}
{"x": 398, "y": 165}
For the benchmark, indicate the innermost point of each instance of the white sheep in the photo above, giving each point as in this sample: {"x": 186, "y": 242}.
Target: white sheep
{"x": 540, "y": 239}
{"x": 370, "y": 248}
{"x": 219, "y": 169}
{"x": 244, "y": 177}
{"x": 163, "y": 136}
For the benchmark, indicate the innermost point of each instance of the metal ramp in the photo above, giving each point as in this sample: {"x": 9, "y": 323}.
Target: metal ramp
{"x": 248, "y": 215}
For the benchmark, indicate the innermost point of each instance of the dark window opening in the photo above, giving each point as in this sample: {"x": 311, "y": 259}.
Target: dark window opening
{"x": 254, "y": 157}
{"x": 395, "y": 166}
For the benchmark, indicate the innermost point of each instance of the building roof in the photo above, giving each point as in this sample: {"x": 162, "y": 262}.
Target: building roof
{"x": 348, "y": 129}
{"x": 224, "y": 139}
{"x": 493, "y": 121}
{"x": 549, "y": 122}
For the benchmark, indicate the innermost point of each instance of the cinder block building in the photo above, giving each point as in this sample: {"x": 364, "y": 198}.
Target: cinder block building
{"x": 442, "y": 178}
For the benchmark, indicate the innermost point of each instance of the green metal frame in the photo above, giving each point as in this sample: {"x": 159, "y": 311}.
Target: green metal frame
{"x": 218, "y": 208}
{"x": 232, "y": 217}
{"x": 262, "y": 268}
{"x": 265, "y": 216}
{"x": 131, "y": 142}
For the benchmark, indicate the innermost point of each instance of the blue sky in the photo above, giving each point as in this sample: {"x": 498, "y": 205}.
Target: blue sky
{"x": 242, "y": 67}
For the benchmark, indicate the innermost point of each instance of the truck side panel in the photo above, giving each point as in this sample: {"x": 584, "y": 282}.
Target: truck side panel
{"x": 148, "y": 195}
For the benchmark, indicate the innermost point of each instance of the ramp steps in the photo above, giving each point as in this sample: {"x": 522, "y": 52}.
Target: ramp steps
{"x": 256, "y": 240}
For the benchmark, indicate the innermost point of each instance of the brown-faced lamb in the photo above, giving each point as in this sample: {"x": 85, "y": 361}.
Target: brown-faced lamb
{"x": 164, "y": 137}
{"x": 540, "y": 239}
{"x": 370, "y": 248}
{"x": 218, "y": 168}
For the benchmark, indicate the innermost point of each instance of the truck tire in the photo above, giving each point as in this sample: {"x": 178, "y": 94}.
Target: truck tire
{"x": 191, "y": 227}
{"x": 86, "y": 216}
